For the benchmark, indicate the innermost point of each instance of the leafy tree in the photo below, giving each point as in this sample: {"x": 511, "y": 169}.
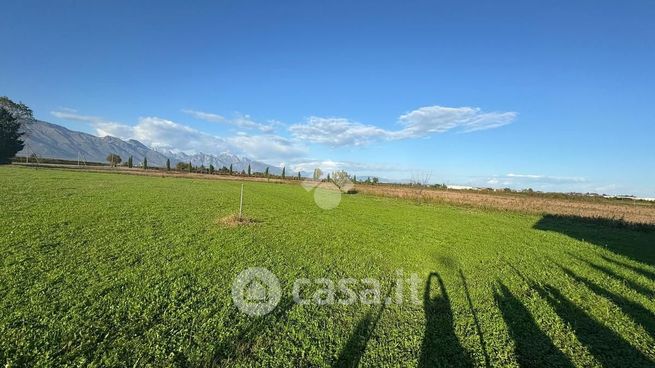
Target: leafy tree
{"x": 130, "y": 162}
{"x": 168, "y": 164}
{"x": 283, "y": 172}
{"x": 182, "y": 166}
{"x": 376, "y": 180}
{"x": 145, "y": 163}
{"x": 231, "y": 172}
{"x": 12, "y": 116}
{"x": 248, "y": 169}
{"x": 10, "y": 142}
{"x": 114, "y": 159}
{"x": 18, "y": 110}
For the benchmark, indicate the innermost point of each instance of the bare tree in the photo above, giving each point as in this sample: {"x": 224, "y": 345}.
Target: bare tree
{"x": 342, "y": 180}
{"x": 420, "y": 181}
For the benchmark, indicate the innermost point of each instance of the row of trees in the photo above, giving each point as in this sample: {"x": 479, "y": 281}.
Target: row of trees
{"x": 115, "y": 160}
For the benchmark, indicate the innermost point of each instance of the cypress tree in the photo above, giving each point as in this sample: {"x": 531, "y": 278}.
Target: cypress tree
{"x": 168, "y": 164}
{"x": 230, "y": 169}
{"x": 283, "y": 172}
{"x": 145, "y": 163}
{"x": 248, "y": 169}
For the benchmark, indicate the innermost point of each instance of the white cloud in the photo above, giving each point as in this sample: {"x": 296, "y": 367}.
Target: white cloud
{"x": 158, "y": 132}
{"x": 546, "y": 178}
{"x": 415, "y": 124}
{"x": 538, "y": 182}
{"x": 267, "y": 147}
{"x": 167, "y": 134}
{"x": 240, "y": 120}
{"x": 331, "y": 165}
{"x": 439, "y": 119}
{"x": 336, "y": 131}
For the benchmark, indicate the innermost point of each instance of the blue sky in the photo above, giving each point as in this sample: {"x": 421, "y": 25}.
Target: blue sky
{"x": 553, "y": 95}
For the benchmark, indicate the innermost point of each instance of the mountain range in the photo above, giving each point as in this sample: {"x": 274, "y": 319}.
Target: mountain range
{"x": 55, "y": 141}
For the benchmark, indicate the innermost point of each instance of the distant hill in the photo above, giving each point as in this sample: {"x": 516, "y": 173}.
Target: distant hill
{"x": 54, "y": 141}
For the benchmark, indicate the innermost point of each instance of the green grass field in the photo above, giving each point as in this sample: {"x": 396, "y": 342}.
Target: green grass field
{"x": 119, "y": 270}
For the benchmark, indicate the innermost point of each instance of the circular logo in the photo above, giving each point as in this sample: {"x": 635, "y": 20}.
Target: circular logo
{"x": 256, "y": 291}
{"x": 327, "y": 195}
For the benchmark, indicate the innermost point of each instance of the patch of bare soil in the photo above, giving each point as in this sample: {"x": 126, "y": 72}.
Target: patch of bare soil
{"x": 234, "y": 220}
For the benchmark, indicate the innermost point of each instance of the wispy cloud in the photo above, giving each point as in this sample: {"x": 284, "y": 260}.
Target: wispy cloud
{"x": 541, "y": 182}
{"x": 240, "y": 120}
{"x": 546, "y": 178}
{"x": 336, "y": 132}
{"x": 419, "y": 123}
{"x": 102, "y": 126}
{"x": 439, "y": 119}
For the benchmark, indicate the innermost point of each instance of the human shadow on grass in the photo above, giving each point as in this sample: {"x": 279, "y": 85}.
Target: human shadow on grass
{"x": 352, "y": 352}
{"x": 440, "y": 347}
{"x": 533, "y": 348}
{"x": 609, "y": 348}
{"x": 242, "y": 343}
{"x": 636, "y": 241}
{"x": 634, "y": 310}
{"x": 478, "y": 329}
{"x": 629, "y": 283}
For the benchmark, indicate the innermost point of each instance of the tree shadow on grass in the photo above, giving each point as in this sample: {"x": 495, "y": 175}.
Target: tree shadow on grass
{"x": 352, "y": 352}
{"x": 609, "y": 348}
{"x": 636, "y": 311}
{"x": 242, "y": 343}
{"x": 533, "y": 348}
{"x": 629, "y": 283}
{"x": 636, "y": 241}
{"x": 440, "y": 347}
{"x": 648, "y": 274}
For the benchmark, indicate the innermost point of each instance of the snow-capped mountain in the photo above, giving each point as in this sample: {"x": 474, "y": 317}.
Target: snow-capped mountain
{"x": 54, "y": 141}
{"x": 224, "y": 159}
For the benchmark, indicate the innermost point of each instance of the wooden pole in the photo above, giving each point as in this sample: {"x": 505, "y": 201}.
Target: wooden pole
{"x": 241, "y": 203}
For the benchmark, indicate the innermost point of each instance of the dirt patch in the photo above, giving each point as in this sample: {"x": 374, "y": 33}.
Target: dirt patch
{"x": 234, "y": 220}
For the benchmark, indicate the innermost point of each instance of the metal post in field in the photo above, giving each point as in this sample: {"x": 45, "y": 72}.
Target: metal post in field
{"x": 241, "y": 203}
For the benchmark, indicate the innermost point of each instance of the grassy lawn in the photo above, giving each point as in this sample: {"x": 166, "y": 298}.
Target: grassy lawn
{"x": 118, "y": 270}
